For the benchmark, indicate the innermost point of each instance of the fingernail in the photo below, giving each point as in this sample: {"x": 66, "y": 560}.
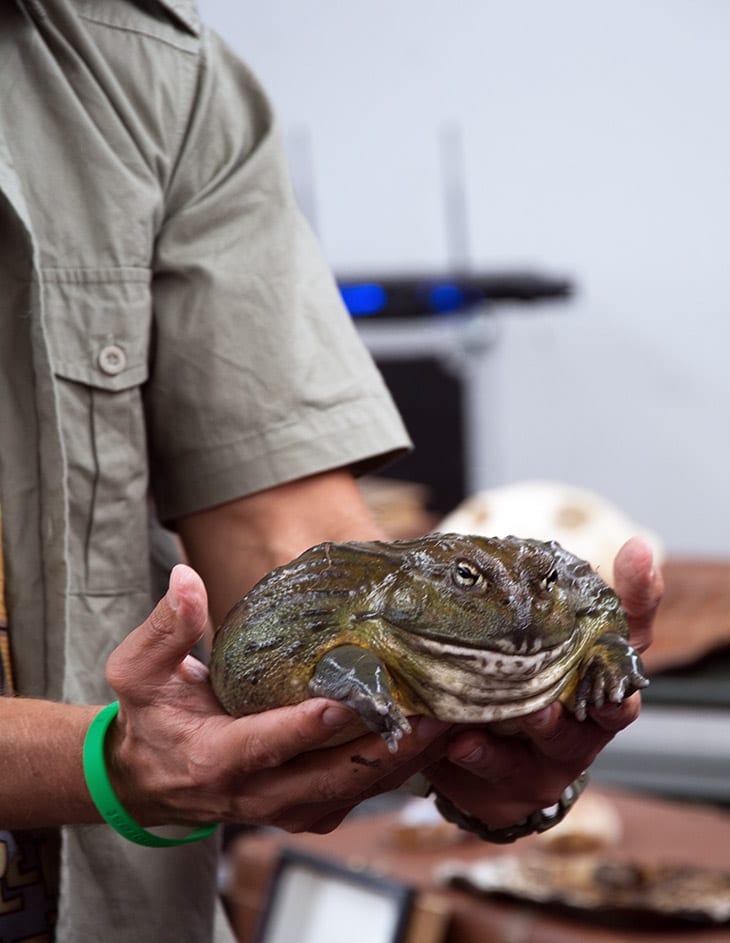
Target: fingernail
{"x": 475, "y": 755}
{"x": 335, "y": 716}
{"x": 540, "y": 719}
{"x": 173, "y": 600}
{"x": 611, "y": 711}
{"x": 612, "y": 707}
{"x": 193, "y": 669}
{"x": 428, "y": 728}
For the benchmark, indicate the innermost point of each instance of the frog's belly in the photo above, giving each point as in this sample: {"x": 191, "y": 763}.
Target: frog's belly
{"x": 463, "y": 685}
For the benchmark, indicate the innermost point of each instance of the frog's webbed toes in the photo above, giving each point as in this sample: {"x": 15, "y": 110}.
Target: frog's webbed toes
{"x": 610, "y": 674}
{"x": 358, "y": 678}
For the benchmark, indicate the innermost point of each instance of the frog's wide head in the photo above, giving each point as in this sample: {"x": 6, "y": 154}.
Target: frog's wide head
{"x": 511, "y": 595}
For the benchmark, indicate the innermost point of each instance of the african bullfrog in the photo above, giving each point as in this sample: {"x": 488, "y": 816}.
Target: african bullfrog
{"x": 463, "y": 628}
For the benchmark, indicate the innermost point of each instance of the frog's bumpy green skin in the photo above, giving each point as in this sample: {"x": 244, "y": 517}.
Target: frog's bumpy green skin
{"x": 463, "y": 628}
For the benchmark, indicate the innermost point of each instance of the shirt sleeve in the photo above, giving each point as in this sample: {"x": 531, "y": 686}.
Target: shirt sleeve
{"x": 258, "y": 375}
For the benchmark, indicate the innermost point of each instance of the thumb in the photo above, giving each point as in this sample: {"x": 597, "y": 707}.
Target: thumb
{"x": 640, "y": 586}
{"x": 152, "y": 653}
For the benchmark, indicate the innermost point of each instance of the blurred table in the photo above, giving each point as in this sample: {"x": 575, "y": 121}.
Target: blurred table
{"x": 653, "y": 830}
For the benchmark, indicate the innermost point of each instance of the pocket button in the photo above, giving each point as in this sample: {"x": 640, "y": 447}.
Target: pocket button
{"x": 112, "y": 359}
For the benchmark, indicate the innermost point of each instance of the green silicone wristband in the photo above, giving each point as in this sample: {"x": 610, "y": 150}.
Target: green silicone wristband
{"x": 105, "y": 799}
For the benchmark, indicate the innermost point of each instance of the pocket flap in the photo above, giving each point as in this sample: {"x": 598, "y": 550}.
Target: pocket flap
{"x": 98, "y": 325}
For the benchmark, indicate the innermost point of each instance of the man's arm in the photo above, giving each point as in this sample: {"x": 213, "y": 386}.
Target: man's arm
{"x": 42, "y": 781}
{"x": 233, "y": 545}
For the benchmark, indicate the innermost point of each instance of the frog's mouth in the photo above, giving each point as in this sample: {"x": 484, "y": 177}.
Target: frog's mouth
{"x": 531, "y": 644}
{"x": 461, "y": 683}
{"x": 503, "y": 661}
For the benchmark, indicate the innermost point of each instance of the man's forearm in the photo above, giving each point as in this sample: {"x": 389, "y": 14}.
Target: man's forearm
{"x": 42, "y": 781}
{"x": 233, "y": 545}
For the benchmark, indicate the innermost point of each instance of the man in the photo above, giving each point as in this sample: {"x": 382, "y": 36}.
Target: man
{"x": 168, "y": 328}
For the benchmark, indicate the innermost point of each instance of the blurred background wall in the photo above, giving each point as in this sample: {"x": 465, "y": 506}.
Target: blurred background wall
{"x": 596, "y": 146}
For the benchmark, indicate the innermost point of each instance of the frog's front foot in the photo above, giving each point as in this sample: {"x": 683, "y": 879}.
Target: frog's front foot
{"x": 611, "y": 672}
{"x": 358, "y": 678}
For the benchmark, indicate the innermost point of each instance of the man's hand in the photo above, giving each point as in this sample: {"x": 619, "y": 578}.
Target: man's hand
{"x": 502, "y": 779}
{"x": 176, "y": 757}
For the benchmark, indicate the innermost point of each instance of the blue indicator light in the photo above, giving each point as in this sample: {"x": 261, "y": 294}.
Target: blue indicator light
{"x": 446, "y": 297}
{"x": 362, "y": 300}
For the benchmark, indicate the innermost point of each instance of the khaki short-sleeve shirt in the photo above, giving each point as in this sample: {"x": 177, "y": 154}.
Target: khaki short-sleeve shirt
{"x": 167, "y": 328}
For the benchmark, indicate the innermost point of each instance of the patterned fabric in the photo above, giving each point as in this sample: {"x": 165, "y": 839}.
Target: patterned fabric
{"x": 28, "y": 859}
{"x": 28, "y": 880}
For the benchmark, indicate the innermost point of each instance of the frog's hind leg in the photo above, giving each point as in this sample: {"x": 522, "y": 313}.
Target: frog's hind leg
{"x": 358, "y": 678}
{"x": 611, "y": 671}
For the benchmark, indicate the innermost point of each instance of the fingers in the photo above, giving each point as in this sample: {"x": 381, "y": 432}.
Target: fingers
{"x": 269, "y": 740}
{"x": 277, "y": 778}
{"x": 640, "y": 586}
{"x": 503, "y": 778}
{"x": 153, "y": 652}
{"x": 614, "y": 717}
{"x": 552, "y": 733}
{"x": 558, "y": 736}
{"x": 496, "y": 779}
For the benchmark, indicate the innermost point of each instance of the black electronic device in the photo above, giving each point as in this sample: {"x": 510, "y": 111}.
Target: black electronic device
{"x": 408, "y": 296}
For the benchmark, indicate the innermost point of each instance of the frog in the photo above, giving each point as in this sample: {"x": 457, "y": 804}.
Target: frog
{"x": 468, "y": 629}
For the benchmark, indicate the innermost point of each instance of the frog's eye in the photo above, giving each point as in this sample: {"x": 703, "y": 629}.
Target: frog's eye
{"x": 466, "y": 574}
{"x": 552, "y": 577}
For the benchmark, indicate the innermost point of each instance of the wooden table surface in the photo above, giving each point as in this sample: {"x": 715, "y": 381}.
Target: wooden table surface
{"x": 652, "y": 831}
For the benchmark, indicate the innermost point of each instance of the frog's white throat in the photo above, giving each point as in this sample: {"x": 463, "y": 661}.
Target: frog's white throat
{"x": 463, "y": 684}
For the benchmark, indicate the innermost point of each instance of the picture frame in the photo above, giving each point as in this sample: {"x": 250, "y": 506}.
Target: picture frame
{"x": 315, "y": 900}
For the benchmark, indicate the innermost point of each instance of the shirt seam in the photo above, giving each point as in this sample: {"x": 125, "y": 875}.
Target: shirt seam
{"x": 184, "y": 117}
{"x": 138, "y": 31}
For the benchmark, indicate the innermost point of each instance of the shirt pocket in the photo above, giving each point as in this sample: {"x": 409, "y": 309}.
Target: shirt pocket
{"x": 98, "y": 323}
